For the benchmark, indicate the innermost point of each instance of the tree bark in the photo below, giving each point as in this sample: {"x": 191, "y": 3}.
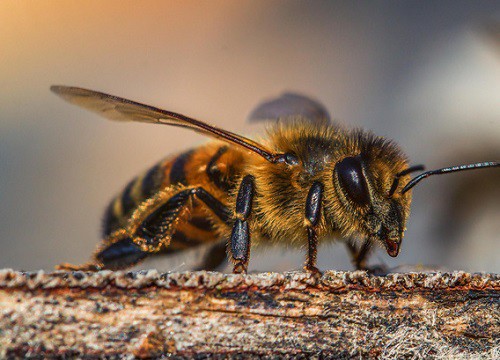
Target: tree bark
{"x": 205, "y": 314}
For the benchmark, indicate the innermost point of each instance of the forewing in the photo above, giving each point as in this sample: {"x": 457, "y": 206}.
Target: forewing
{"x": 289, "y": 106}
{"x": 120, "y": 109}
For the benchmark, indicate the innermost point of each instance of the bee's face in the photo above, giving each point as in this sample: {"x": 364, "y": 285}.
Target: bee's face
{"x": 363, "y": 187}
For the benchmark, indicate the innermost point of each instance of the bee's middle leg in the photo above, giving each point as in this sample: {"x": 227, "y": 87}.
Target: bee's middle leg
{"x": 240, "y": 236}
{"x": 312, "y": 215}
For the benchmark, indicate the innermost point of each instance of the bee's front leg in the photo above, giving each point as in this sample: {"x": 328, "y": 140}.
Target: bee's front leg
{"x": 240, "y": 236}
{"x": 359, "y": 255}
{"x": 312, "y": 214}
{"x": 359, "y": 258}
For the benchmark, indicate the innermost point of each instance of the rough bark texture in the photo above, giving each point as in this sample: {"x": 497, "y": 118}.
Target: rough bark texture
{"x": 203, "y": 314}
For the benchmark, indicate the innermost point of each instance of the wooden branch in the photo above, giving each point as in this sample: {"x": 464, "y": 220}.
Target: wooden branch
{"x": 343, "y": 314}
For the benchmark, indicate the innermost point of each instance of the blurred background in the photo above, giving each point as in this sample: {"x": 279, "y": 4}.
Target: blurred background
{"x": 426, "y": 74}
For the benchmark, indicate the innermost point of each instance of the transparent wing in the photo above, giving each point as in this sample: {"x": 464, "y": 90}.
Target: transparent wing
{"x": 289, "y": 106}
{"x": 120, "y": 109}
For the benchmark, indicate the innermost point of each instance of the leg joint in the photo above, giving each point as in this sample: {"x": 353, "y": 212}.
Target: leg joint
{"x": 218, "y": 208}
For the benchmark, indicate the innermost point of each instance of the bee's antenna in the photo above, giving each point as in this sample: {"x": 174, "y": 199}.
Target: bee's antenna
{"x": 395, "y": 183}
{"x": 446, "y": 170}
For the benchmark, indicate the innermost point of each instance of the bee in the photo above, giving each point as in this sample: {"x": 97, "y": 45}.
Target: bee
{"x": 309, "y": 179}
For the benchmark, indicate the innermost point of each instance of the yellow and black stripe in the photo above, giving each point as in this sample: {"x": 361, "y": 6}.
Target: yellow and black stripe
{"x": 122, "y": 206}
{"x": 213, "y": 167}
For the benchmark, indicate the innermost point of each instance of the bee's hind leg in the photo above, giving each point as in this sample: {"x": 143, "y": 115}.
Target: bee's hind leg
{"x": 84, "y": 267}
{"x": 151, "y": 232}
{"x": 118, "y": 251}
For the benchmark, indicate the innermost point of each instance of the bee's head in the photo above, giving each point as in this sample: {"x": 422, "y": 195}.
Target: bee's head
{"x": 365, "y": 196}
{"x": 371, "y": 189}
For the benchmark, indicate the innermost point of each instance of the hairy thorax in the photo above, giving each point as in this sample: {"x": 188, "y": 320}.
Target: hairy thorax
{"x": 281, "y": 189}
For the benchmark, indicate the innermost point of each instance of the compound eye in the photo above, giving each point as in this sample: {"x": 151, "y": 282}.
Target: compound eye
{"x": 352, "y": 180}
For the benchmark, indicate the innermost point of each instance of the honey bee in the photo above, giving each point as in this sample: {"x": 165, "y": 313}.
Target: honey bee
{"x": 309, "y": 179}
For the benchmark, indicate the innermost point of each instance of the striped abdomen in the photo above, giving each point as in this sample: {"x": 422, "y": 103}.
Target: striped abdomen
{"x": 214, "y": 167}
